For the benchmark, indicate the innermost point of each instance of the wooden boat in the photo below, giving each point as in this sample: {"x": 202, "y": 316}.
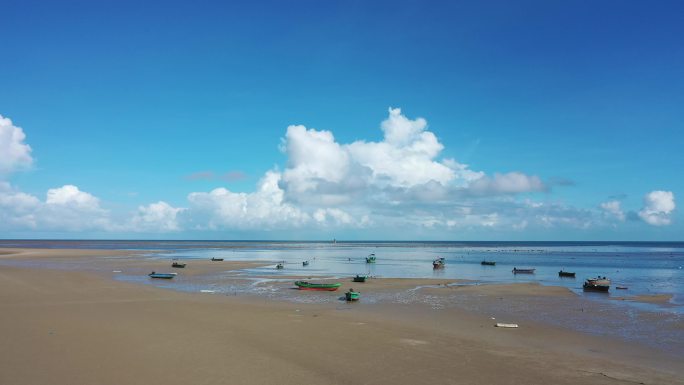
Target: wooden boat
{"x": 360, "y": 278}
{"x": 280, "y": 266}
{"x": 352, "y": 295}
{"x": 304, "y": 285}
{"x": 305, "y": 263}
{"x": 438, "y": 263}
{"x": 597, "y": 284}
{"x": 566, "y": 274}
{"x": 488, "y": 263}
{"x": 523, "y": 271}
{"x": 599, "y": 281}
{"x": 178, "y": 265}
{"x": 217, "y": 259}
{"x": 370, "y": 258}
{"x": 162, "y": 275}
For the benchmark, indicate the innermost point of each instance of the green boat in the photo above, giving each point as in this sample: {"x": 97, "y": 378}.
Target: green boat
{"x": 370, "y": 258}
{"x": 352, "y": 295}
{"x": 305, "y": 285}
{"x": 360, "y": 278}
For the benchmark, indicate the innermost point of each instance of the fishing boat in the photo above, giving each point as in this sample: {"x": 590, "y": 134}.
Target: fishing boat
{"x": 280, "y": 266}
{"x": 438, "y": 263}
{"x": 360, "y": 278}
{"x": 305, "y": 285}
{"x": 523, "y": 271}
{"x": 305, "y": 263}
{"x": 597, "y": 284}
{"x": 566, "y": 274}
{"x": 217, "y": 259}
{"x": 370, "y": 258}
{"x": 162, "y": 275}
{"x": 352, "y": 295}
{"x": 488, "y": 263}
{"x": 178, "y": 265}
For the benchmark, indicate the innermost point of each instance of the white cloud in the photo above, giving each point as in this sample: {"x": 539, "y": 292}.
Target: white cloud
{"x": 14, "y": 153}
{"x": 65, "y": 209}
{"x": 17, "y": 209}
{"x": 156, "y": 217}
{"x": 509, "y": 183}
{"x": 263, "y": 209}
{"x": 614, "y": 209}
{"x": 658, "y": 205}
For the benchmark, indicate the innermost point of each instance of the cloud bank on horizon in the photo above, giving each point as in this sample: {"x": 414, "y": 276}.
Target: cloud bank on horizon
{"x": 400, "y": 182}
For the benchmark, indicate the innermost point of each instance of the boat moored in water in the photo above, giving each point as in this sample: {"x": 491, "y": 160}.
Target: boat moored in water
{"x": 488, "y": 263}
{"x": 360, "y": 278}
{"x": 597, "y": 284}
{"x": 438, "y": 263}
{"x": 523, "y": 271}
{"x": 305, "y": 263}
{"x": 566, "y": 274}
{"x": 370, "y": 258}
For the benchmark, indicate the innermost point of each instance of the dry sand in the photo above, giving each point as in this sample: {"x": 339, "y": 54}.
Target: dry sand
{"x": 70, "y": 327}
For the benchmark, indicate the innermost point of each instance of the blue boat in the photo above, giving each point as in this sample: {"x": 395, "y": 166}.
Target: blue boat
{"x": 162, "y": 275}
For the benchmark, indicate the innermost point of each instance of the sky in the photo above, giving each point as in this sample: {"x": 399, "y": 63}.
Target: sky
{"x": 357, "y": 120}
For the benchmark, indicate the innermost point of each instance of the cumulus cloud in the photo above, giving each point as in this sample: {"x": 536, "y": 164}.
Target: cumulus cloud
{"x": 14, "y": 153}
{"x": 156, "y": 217}
{"x": 658, "y": 207}
{"x": 614, "y": 209}
{"x": 262, "y": 209}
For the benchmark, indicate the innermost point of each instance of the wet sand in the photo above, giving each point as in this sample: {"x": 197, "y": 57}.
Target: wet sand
{"x": 83, "y": 327}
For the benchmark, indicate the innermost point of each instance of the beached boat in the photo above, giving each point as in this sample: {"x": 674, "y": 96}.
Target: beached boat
{"x": 162, "y": 275}
{"x": 438, "y": 263}
{"x": 523, "y": 271}
{"x": 352, "y": 295}
{"x": 597, "y": 284}
{"x": 360, "y": 278}
{"x": 370, "y": 258}
{"x": 566, "y": 274}
{"x": 178, "y": 265}
{"x": 305, "y": 285}
{"x": 217, "y": 259}
{"x": 488, "y": 263}
{"x": 305, "y": 263}
{"x": 280, "y": 266}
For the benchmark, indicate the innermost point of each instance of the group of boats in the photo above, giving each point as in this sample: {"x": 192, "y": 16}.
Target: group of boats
{"x": 599, "y": 283}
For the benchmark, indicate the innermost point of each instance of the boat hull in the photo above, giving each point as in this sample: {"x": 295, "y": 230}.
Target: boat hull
{"x": 589, "y": 287}
{"x": 566, "y": 274}
{"x": 523, "y": 271}
{"x": 162, "y": 276}
{"x": 487, "y": 263}
{"x": 359, "y": 278}
{"x": 317, "y": 286}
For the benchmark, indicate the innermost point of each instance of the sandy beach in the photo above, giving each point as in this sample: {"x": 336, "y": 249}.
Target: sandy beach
{"x": 64, "y": 326}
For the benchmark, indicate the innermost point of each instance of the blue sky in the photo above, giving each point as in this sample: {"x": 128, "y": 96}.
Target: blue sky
{"x": 567, "y": 114}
